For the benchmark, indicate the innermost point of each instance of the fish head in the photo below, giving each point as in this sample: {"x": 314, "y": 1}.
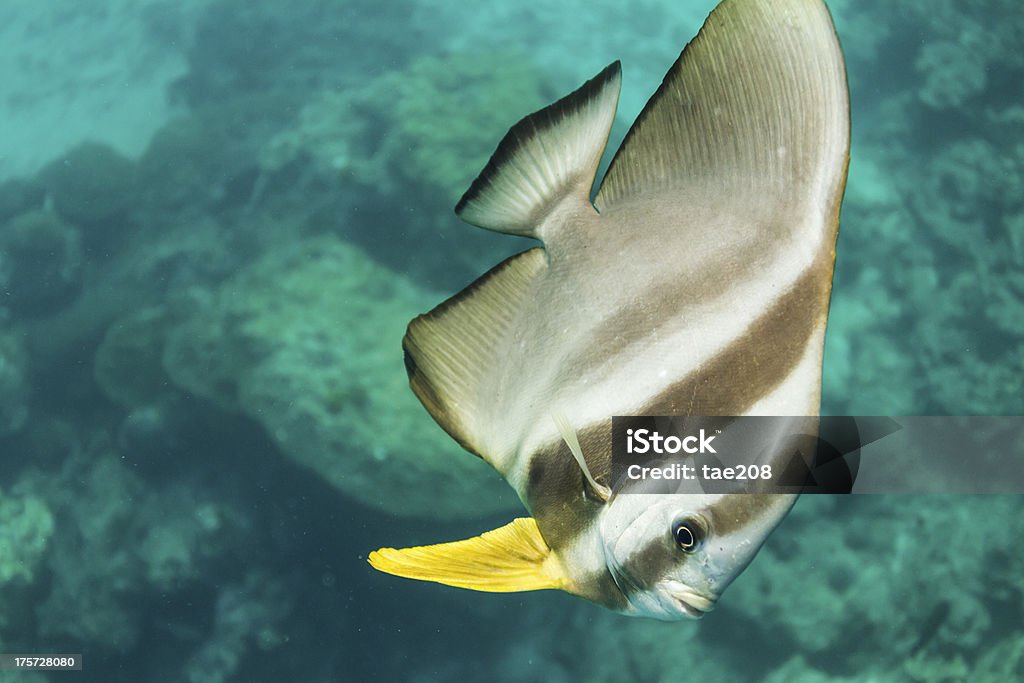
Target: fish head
{"x": 672, "y": 555}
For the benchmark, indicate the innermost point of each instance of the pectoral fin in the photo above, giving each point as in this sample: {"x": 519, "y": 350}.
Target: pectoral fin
{"x": 509, "y": 559}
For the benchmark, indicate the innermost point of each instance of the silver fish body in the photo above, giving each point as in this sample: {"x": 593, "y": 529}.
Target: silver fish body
{"x": 696, "y": 283}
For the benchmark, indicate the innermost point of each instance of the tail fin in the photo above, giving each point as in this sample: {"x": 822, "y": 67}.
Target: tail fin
{"x": 542, "y": 159}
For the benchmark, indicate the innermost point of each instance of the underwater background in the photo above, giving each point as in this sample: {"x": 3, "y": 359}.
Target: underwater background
{"x": 216, "y": 219}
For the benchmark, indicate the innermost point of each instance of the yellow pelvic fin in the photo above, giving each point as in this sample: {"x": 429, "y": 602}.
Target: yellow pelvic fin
{"x": 506, "y": 560}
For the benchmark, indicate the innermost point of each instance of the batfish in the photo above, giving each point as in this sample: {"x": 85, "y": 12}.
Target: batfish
{"x": 695, "y": 282}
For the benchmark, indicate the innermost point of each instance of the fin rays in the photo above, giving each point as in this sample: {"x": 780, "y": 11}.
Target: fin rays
{"x": 757, "y": 102}
{"x": 509, "y": 559}
{"x": 543, "y": 159}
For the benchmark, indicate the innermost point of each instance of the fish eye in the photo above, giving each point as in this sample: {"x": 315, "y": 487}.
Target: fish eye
{"x": 688, "y": 534}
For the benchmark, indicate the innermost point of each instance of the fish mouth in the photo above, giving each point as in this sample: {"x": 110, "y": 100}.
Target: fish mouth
{"x": 693, "y": 604}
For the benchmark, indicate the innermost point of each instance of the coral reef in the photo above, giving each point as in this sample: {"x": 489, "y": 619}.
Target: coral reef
{"x": 204, "y": 163}
{"x": 297, "y": 341}
{"x": 205, "y": 422}
{"x": 111, "y": 560}
{"x": 250, "y": 46}
{"x": 415, "y": 137}
{"x": 97, "y": 574}
{"x": 145, "y": 268}
{"x": 428, "y": 128}
{"x": 26, "y": 535}
{"x": 26, "y": 526}
{"x": 24, "y": 676}
{"x": 968, "y": 56}
{"x": 14, "y": 393}
{"x": 247, "y": 615}
{"x": 19, "y": 195}
{"x": 104, "y": 561}
{"x": 92, "y": 185}
{"x": 929, "y": 292}
{"x": 814, "y": 572}
{"x": 42, "y": 263}
{"x": 127, "y": 366}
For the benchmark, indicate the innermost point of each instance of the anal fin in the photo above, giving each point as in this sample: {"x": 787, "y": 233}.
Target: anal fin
{"x": 451, "y": 352}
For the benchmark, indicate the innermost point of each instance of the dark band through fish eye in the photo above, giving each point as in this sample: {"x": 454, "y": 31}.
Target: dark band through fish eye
{"x": 687, "y": 534}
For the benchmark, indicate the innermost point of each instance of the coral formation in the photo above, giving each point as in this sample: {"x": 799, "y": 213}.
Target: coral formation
{"x": 969, "y": 57}
{"x": 298, "y": 341}
{"x": 205, "y": 422}
{"x": 127, "y": 366}
{"x": 928, "y": 297}
{"x": 42, "y": 263}
{"x": 26, "y": 526}
{"x": 95, "y": 566}
{"x": 204, "y": 163}
{"x": 247, "y": 616}
{"x": 415, "y": 138}
{"x": 18, "y": 196}
{"x": 92, "y": 185}
{"x": 111, "y": 559}
{"x": 143, "y": 269}
{"x": 246, "y": 47}
{"x": 14, "y": 394}
{"x": 838, "y": 597}
{"x": 26, "y": 534}
{"x": 427, "y": 128}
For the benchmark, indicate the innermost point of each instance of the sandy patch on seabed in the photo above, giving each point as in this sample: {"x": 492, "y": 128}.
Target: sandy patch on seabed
{"x": 73, "y": 70}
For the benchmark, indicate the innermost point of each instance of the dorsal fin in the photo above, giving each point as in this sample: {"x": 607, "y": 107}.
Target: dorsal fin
{"x": 546, "y": 157}
{"x": 756, "y": 105}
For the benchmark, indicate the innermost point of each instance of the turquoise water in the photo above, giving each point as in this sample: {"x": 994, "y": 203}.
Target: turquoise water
{"x": 217, "y": 218}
